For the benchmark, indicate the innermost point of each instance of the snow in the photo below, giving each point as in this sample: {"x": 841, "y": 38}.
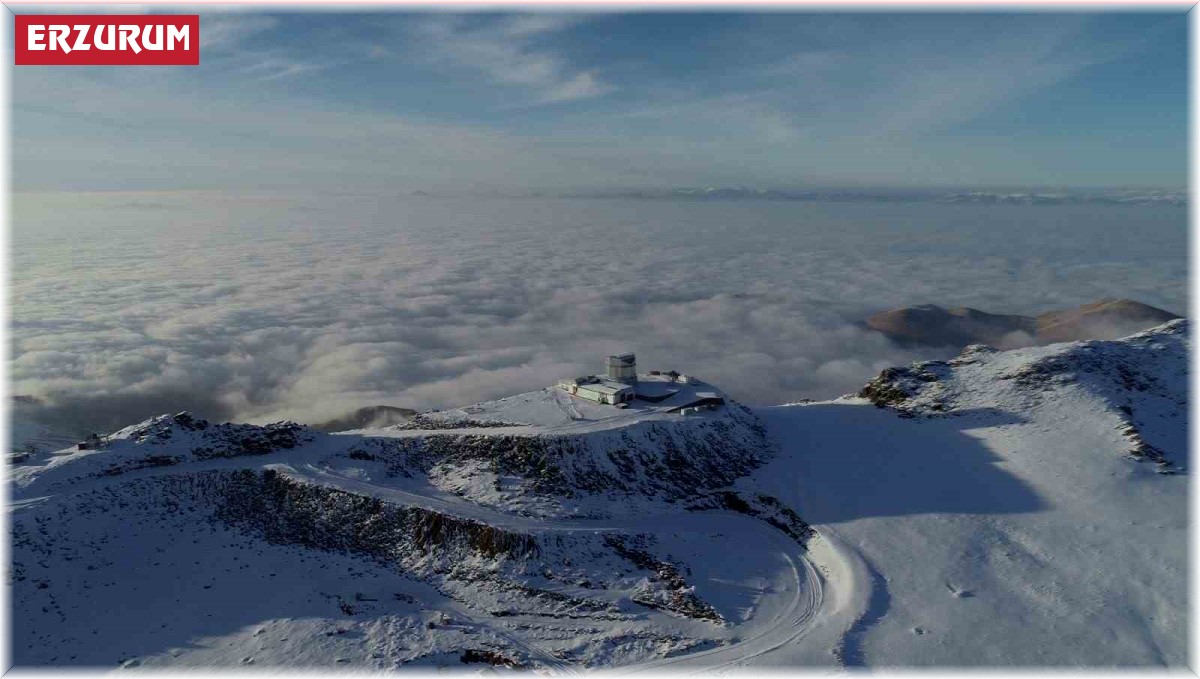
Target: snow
{"x": 552, "y": 410}
{"x": 1014, "y": 530}
{"x": 35, "y": 437}
{"x": 1003, "y": 508}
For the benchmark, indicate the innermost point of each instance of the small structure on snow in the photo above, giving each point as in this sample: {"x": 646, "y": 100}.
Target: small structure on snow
{"x": 92, "y": 442}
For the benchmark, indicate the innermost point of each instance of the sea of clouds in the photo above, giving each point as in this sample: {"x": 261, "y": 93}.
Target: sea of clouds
{"x": 260, "y": 307}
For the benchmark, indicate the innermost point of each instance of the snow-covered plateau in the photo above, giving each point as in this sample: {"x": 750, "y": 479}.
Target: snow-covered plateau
{"x": 1019, "y": 508}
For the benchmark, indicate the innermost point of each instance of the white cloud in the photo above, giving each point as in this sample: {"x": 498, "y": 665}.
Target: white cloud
{"x": 268, "y": 306}
{"x": 230, "y": 32}
{"x": 510, "y": 51}
{"x": 185, "y": 139}
{"x": 844, "y": 105}
{"x": 929, "y": 89}
{"x": 234, "y": 43}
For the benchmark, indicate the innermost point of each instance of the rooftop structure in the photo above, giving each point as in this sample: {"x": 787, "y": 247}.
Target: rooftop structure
{"x": 622, "y": 368}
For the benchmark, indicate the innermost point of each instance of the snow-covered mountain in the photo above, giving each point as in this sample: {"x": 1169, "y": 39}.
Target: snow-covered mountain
{"x": 1004, "y": 505}
{"x": 1012, "y": 508}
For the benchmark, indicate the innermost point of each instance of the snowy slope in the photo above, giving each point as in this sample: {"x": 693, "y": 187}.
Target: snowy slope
{"x": 182, "y": 542}
{"x": 34, "y": 438}
{"x": 1007, "y": 508}
{"x": 1005, "y": 511}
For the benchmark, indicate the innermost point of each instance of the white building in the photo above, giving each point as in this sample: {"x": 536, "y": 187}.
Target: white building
{"x": 604, "y": 391}
{"x": 598, "y": 389}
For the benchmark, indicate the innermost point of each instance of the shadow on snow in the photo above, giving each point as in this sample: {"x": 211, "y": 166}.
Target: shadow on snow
{"x": 851, "y": 461}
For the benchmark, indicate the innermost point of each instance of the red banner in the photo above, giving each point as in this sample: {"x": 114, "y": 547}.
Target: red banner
{"x": 107, "y": 40}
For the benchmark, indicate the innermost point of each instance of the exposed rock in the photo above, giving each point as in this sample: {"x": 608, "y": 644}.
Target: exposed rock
{"x": 672, "y": 461}
{"x": 667, "y": 590}
{"x": 423, "y": 421}
{"x": 208, "y": 440}
{"x": 472, "y": 655}
{"x": 764, "y": 507}
{"x": 287, "y": 511}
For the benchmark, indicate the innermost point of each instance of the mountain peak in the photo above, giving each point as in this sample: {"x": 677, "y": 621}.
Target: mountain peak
{"x": 932, "y": 325}
{"x": 1135, "y": 378}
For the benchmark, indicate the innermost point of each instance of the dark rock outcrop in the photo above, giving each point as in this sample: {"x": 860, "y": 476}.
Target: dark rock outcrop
{"x": 287, "y": 511}
{"x": 667, "y": 590}
{"x": 764, "y": 507}
{"x": 208, "y": 440}
{"x": 667, "y": 460}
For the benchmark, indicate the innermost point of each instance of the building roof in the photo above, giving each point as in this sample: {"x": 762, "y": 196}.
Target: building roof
{"x": 606, "y": 387}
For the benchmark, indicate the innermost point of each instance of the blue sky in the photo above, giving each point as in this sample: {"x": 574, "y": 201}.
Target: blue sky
{"x": 548, "y": 101}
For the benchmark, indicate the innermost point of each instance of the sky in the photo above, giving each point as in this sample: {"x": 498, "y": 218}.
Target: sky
{"x": 516, "y": 102}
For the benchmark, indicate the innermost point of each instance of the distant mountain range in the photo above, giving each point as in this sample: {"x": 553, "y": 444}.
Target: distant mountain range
{"x": 1138, "y": 197}
{"x": 932, "y": 325}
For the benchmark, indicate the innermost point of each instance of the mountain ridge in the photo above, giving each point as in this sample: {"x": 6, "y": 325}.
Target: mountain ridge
{"x": 909, "y": 525}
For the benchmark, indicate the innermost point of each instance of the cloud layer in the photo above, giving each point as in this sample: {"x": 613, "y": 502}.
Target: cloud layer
{"x": 268, "y": 306}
